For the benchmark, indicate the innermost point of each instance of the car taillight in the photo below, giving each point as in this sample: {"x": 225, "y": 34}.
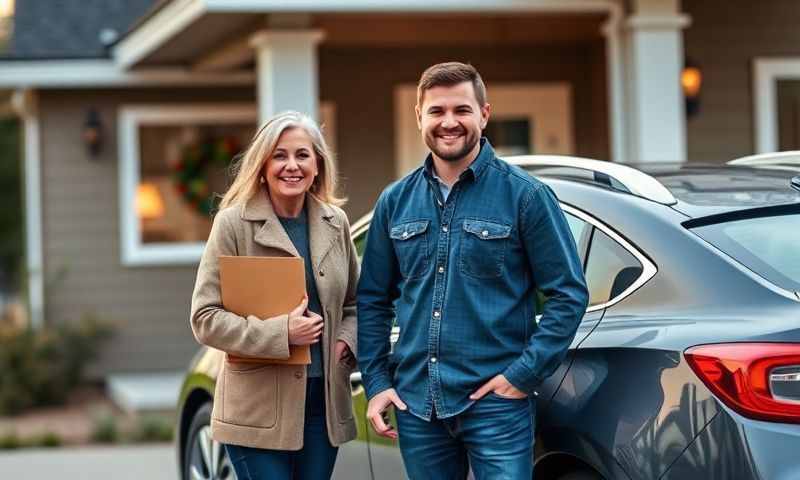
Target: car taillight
{"x": 757, "y": 380}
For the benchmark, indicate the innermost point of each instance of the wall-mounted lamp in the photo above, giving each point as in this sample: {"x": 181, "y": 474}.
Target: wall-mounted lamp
{"x": 691, "y": 82}
{"x": 93, "y": 132}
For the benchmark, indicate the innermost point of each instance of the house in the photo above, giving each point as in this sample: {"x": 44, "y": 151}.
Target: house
{"x": 127, "y": 104}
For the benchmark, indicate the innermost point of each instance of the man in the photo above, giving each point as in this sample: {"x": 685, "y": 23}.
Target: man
{"x": 455, "y": 253}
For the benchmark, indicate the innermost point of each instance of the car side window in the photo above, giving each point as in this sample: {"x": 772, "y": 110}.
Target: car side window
{"x": 580, "y": 233}
{"x": 610, "y": 269}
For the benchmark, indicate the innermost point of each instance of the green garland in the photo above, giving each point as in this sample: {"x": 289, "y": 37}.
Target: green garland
{"x": 190, "y": 173}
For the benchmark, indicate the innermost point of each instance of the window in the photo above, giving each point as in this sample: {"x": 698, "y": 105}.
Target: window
{"x": 173, "y": 160}
{"x": 766, "y": 245}
{"x": 777, "y": 96}
{"x": 610, "y": 269}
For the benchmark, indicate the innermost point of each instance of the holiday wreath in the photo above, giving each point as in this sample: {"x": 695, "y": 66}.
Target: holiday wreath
{"x": 197, "y": 160}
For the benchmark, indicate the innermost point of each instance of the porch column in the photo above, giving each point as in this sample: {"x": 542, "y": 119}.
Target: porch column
{"x": 657, "y": 120}
{"x": 286, "y": 71}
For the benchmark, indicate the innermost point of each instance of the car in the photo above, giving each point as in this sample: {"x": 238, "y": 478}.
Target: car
{"x": 687, "y": 361}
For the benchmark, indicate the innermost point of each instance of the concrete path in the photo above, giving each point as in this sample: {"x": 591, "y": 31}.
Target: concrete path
{"x": 151, "y": 462}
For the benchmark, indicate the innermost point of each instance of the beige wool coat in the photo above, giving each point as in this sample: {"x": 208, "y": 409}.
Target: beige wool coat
{"x": 263, "y": 406}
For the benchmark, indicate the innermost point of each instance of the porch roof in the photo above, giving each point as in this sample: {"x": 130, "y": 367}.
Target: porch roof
{"x": 214, "y": 34}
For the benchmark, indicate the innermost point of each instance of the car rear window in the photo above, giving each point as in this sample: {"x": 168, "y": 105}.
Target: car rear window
{"x": 770, "y": 246}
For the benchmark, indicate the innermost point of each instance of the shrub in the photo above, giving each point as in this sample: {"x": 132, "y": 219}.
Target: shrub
{"x": 47, "y": 440}
{"x": 105, "y": 429}
{"x": 41, "y": 367}
{"x": 9, "y": 441}
{"x": 153, "y": 428}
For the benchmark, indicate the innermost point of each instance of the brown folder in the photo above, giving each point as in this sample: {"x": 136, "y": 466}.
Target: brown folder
{"x": 265, "y": 287}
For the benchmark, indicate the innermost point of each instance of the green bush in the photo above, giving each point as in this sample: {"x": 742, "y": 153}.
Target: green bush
{"x": 153, "y": 428}
{"x": 47, "y": 440}
{"x": 41, "y": 367}
{"x": 105, "y": 429}
{"x": 9, "y": 441}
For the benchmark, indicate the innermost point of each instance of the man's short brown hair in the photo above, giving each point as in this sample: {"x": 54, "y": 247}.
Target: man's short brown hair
{"x": 448, "y": 74}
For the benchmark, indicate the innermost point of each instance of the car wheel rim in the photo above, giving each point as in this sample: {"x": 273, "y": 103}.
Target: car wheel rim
{"x": 208, "y": 459}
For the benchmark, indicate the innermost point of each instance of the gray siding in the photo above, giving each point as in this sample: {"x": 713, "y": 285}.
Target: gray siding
{"x": 81, "y": 226}
{"x": 724, "y": 39}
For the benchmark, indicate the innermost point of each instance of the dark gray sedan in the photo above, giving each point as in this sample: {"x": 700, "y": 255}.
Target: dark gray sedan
{"x": 687, "y": 362}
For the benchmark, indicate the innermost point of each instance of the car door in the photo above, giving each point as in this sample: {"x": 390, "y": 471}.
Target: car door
{"x": 581, "y": 230}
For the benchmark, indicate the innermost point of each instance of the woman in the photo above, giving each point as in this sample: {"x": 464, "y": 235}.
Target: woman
{"x": 283, "y": 421}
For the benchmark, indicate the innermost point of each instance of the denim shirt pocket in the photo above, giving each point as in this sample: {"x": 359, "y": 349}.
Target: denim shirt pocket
{"x": 411, "y": 244}
{"x": 483, "y": 247}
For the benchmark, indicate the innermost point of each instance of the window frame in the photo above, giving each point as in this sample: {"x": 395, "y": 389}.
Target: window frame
{"x": 133, "y": 252}
{"x": 766, "y": 73}
{"x": 649, "y": 269}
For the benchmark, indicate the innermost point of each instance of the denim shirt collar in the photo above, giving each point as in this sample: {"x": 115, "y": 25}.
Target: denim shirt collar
{"x": 475, "y": 169}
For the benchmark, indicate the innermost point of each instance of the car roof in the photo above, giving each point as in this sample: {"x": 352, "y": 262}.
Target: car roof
{"x": 695, "y": 190}
{"x": 702, "y": 190}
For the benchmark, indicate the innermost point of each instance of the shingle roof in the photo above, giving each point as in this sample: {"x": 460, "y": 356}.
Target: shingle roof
{"x": 45, "y": 29}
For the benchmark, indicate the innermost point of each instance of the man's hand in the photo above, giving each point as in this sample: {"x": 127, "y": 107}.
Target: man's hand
{"x": 376, "y": 409}
{"x": 500, "y": 386}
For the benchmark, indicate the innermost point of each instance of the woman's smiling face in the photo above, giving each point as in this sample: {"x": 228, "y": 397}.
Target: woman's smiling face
{"x": 292, "y": 167}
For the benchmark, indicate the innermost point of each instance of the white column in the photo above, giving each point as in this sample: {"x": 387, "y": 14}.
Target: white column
{"x": 615, "y": 74}
{"x": 656, "y": 115}
{"x": 286, "y": 71}
{"x": 25, "y": 102}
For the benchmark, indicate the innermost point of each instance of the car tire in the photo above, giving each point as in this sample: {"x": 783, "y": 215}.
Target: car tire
{"x": 581, "y": 475}
{"x": 203, "y": 457}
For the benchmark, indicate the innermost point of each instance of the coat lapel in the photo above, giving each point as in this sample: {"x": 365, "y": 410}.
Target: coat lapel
{"x": 271, "y": 234}
{"x": 323, "y": 230}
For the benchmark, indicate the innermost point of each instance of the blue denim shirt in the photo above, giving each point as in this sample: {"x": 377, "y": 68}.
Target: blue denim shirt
{"x": 460, "y": 276}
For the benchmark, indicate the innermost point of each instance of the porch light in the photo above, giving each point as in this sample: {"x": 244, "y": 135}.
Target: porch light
{"x": 149, "y": 202}
{"x": 691, "y": 82}
{"x": 92, "y": 132}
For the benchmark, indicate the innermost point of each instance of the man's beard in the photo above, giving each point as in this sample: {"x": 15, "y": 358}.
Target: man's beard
{"x": 470, "y": 140}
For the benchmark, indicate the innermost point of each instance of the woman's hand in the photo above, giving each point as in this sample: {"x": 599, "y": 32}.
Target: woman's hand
{"x": 343, "y": 353}
{"x": 304, "y": 330}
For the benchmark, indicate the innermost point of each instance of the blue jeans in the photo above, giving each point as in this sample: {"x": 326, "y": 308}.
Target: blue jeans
{"x": 494, "y": 436}
{"x": 314, "y": 461}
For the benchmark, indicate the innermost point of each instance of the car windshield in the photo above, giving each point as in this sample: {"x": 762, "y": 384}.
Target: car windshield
{"x": 767, "y": 245}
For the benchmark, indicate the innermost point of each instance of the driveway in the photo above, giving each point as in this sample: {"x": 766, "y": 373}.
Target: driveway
{"x": 151, "y": 462}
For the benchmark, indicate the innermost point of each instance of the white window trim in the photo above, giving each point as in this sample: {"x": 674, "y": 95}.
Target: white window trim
{"x": 131, "y": 118}
{"x": 766, "y": 73}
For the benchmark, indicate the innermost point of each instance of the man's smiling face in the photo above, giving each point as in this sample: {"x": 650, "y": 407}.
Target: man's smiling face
{"x": 451, "y": 120}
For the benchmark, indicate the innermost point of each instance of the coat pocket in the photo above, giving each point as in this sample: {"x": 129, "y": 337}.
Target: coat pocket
{"x": 342, "y": 392}
{"x": 250, "y": 395}
{"x": 483, "y": 247}
{"x": 411, "y": 244}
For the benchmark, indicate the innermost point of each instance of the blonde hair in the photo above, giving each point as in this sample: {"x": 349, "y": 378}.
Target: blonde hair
{"x": 248, "y": 167}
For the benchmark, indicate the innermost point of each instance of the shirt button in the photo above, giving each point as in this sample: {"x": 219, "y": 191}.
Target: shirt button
{"x": 298, "y": 375}
{"x": 444, "y": 228}
{"x": 436, "y": 314}
{"x": 321, "y": 273}
{"x": 441, "y": 269}
{"x": 405, "y": 234}
{"x": 485, "y": 233}
{"x": 433, "y": 359}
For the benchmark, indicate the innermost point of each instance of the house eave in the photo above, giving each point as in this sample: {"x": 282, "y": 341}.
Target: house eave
{"x": 106, "y": 73}
{"x": 172, "y": 18}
